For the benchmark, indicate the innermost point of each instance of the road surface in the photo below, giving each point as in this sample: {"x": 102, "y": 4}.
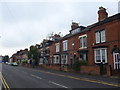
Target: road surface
{"x": 22, "y": 77}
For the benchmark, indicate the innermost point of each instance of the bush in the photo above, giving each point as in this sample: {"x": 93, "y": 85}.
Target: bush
{"x": 17, "y": 62}
{"x": 78, "y": 63}
{"x": 83, "y": 62}
{"x": 76, "y": 66}
{"x": 24, "y": 61}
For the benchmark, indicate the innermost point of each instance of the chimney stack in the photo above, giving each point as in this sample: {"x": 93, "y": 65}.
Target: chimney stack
{"x": 102, "y": 14}
{"x": 74, "y": 25}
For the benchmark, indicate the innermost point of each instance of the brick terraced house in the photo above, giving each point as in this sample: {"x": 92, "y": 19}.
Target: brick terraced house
{"x": 104, "y": 41}
{"x": 99, "y": 44}
{"x": 19, "y": 56}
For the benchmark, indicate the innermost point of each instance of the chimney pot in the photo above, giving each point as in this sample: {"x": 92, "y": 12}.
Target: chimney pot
{"x": 102, "y": 14}
{"x": 74, "y": 25}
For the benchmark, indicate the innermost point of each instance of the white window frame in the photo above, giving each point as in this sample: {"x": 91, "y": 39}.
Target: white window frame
{"x": 41, "y": 53}
{"x": 65, "y": 45}
{"x": 100, "y": 36}
{"x": 64, "y": 57}
{"x": 75, "y": 31}
{"x": 81, "y": 40}
{"x": 100, "y": 55}
{"x": 103, "y": 36}
{"x": 57, "y": 47}
{"x": 41, "y": 61}
{"x": 55, "y": 59}
{"x": 84, "y": 56}
{"x": 81, "y": 37}
{"x": 84, "y": 42}
{"x": 97, "y": 35}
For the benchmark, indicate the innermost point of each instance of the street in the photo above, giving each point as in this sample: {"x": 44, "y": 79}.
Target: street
{"x": 22, "y": 77}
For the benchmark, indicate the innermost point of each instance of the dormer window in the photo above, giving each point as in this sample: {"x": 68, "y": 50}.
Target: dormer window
{"x": 75, "y": 31}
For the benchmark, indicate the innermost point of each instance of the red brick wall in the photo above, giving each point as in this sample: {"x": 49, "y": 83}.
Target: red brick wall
{"x": 54, "y": 67}
{"x": 73, "y": 49}
{"x": 112, "y": 37}
{"x": 52, "y": 51}
{"x": 90, "y": 69}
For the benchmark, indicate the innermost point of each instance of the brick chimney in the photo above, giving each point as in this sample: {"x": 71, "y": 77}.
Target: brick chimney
{"x": 102, "y": 14}
{"x": 74, "y": 25}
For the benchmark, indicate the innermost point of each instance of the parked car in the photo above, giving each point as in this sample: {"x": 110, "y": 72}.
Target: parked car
{"x": 14, "y": 64}
{"x": 9, "y": 63}
{"x": 6, "y": 62}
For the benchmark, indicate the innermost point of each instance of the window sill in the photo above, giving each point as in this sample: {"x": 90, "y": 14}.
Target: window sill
{"x": 56, "y": 63}
{"x": 100, "y": 43}
{"x": 98, "y": 63}
{"x": 83, "y": 48}
{"x": 57, "y": 51}
{"x": 65, "y": 50}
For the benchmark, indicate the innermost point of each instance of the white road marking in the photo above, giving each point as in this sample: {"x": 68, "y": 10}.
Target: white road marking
{"x": 58, "y": 84}
{"x": 36, "y": 76}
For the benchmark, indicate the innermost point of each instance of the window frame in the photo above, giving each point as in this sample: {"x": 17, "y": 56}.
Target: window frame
{"x": 81, "y": 38}
{"x": 103, "y": 36}
{"x": 64, "y": 57}
{"x": 55, "y": 59}
{"x": 41, "y": 61}
{"x": 83, "y": 56}
{"x": 99, "y": 35}
{"x": 57, "y": 45}
{"x": 95, "y": 59}
{"x": 65, "y": 45}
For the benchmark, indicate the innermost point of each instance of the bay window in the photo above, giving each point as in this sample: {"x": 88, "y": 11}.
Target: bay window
{"x": 100, "y": 55}
{"x": 56, "y": 59}
{"x": 64, "y": 59}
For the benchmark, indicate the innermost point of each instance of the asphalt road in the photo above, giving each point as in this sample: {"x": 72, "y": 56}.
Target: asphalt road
{"x": 22, "y": 77}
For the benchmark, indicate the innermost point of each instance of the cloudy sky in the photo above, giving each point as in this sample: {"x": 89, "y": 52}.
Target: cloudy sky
{"x": 27, "y": 23}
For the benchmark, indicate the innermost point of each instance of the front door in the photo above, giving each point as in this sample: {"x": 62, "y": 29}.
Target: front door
{"x": 116, "y": 57}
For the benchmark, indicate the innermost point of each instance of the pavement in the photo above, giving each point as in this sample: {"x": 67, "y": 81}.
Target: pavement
{"x": 28, "y": 78}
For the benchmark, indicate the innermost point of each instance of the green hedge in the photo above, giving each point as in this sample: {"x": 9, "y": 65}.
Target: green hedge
{"x": 78, "y": 63}
{"x": 17, "y": 62}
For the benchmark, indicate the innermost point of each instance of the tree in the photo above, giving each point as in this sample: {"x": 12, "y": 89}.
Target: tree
{"x": 5, "y": 58}
{"x": 33, "y": 54}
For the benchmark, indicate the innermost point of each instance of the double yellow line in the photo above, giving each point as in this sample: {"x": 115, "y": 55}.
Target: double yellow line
{"x": 5, "y": 85}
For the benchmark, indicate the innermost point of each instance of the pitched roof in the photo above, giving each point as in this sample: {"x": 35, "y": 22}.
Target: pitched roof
{"x": 109, "y": 19}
